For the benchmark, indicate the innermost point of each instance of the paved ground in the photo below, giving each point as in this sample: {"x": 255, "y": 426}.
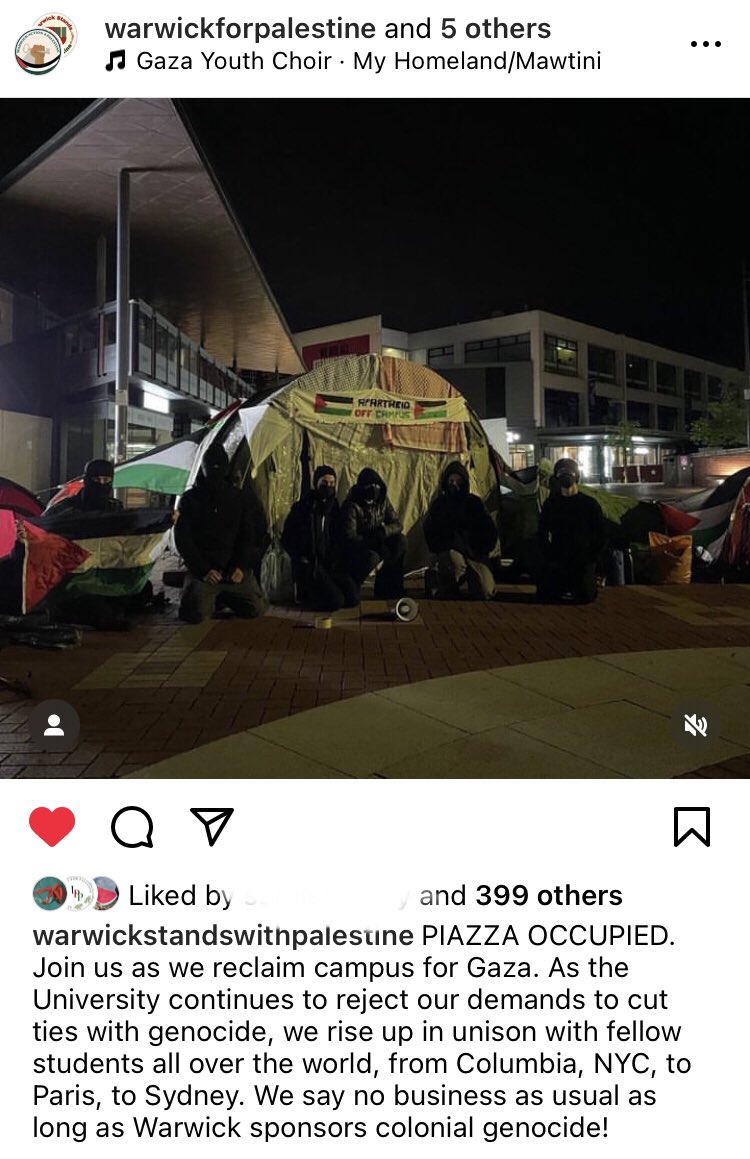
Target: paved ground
{"x": 164, "y": 689}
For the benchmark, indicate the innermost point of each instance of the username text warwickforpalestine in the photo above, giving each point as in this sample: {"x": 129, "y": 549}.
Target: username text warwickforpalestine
{"x": 335, "y": 28}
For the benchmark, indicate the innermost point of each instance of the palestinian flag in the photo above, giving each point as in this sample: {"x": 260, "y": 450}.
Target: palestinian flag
{"x": 120, "y": 547}
{"x": 430, "y": 411}
{"x": 165, "y": 470}
{"x": 33, "y": 563}
{"x": 334, "y": 404}
{"x": 708, "y": 523}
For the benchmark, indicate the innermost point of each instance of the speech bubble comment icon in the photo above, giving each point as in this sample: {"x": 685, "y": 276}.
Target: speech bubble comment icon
{"x": 132, "y": 827}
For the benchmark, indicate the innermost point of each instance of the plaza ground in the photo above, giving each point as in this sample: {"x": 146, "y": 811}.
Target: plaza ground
{"x": 505, "y": 689}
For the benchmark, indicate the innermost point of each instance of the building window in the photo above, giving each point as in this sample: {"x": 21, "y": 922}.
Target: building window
{"x": 560, "y": 355}
{"x": 509, "y": 348}
{"x": 639, "y": 413}
{"x": 395, "y": 352}
{"x": 602, "y": 364}
{"x": 440, "y": 356}
{"x": 692, "y": 384}
{"x": 714, "y": 388}
{"x": 667, "y": 418}
{"x": 636, "y": 371}
{"x": 561, "y": 408}
{"x": 604, "y": 412}
{"x": 666, "y": 378}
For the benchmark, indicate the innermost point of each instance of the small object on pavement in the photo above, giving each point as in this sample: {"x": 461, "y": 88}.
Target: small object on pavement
{"x": 406, "y": 610}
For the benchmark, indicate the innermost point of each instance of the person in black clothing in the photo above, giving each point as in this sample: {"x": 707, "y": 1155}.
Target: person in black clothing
{"x": 213, "y": 534}
{"x": 572, "y": 537}
{"x": 97, "y": 492}
{"x": 311, "y": 537}
{"x": 371, "y": 533}
{"x": 460, "y": 531}
{"x": 95, "y": 498}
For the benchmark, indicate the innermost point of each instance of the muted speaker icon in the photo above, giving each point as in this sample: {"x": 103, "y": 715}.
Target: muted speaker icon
{"x": 696, "y": 725}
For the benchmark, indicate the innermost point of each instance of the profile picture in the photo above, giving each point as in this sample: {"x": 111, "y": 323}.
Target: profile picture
{"x": 50, "y": 893}
{"x": 81, "y": 893}
{"x": 107, "y": 893}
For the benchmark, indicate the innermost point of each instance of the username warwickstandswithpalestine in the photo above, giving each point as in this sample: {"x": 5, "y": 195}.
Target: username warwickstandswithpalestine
{"x": 486, "y": 934}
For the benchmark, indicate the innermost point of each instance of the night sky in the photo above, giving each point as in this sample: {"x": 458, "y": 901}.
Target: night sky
{"x": 632, "y": 215}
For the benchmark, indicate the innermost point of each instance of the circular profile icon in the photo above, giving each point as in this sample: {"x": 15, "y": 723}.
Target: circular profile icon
{"x": 50, "y": 893}
{"x": 63, "y": 28}
{"x": 107, "y": 893}
{"x": 81, "y": 893}
{"x": 38, "y": 51}
{"x": 54, "y": 726}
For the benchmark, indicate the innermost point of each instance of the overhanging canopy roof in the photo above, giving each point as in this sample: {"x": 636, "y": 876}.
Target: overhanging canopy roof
{"x": 190, "y": 257}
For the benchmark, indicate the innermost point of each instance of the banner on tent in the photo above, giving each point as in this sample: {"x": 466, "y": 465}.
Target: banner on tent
{"x": 376, "y": 406}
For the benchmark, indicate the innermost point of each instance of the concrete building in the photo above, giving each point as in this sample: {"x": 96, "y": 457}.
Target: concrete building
{"x": 132, "y": 308}
{"x": 562, "y": 386}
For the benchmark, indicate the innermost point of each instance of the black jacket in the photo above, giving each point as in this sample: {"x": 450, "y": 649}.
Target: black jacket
{"x": 312, "y": 531}
{"x": 366, "y": 522}
{"x": 214, "y": 529}
{"x": 461, "y": 523}
{"x": 572, "y": 529}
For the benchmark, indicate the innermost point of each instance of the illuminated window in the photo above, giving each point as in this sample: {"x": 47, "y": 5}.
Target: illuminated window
{"x": 560, "y": 355}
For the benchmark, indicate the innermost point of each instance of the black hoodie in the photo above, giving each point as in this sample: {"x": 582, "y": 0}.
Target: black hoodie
{"x": 362, "y": 521}
{"x": 214, "y": 526}
{"x": 459, "y": 522}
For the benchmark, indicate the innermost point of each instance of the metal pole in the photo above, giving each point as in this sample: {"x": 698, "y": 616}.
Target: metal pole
{"x": 123, "y": 317}
{"x": 101, "y": 270}
{"x": 746, "y": 331}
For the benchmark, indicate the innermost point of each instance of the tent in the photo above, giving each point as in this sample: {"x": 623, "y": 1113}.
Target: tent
{"x": 401, "y": 418}
{"x": 14, "y": 497}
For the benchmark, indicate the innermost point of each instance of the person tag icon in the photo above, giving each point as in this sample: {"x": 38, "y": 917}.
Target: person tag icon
{"x": 53, "y": 726}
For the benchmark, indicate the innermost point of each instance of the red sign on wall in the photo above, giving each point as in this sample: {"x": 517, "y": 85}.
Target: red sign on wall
{"x": 335, "y": 348}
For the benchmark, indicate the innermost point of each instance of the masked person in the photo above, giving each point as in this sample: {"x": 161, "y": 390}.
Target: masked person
{"x": 572, "y": 537}
{"x": 312, "y": 539}
{"x": 106, "y": 613}
{"x": 213, "y": 534}
{"x": 97, "y": 493}
{"x": 372, "y": 534}
{"x": 460, "y": 531}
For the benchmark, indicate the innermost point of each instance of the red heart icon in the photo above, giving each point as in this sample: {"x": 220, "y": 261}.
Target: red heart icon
{"x": 52, "y": 824}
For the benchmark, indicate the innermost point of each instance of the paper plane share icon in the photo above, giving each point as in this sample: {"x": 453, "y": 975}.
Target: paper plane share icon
{"x": 214, "y": 821}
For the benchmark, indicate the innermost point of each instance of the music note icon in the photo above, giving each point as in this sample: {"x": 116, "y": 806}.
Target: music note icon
{"x": 118, "y": 56}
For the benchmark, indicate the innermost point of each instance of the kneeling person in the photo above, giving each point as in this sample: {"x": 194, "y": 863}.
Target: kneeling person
{"x": 460, "y": 531}
{"x": 311, "y": 537}
{"x": 372, "y": 534}
{"x": 214, "y": 537}
{"x": 572, "y": 536}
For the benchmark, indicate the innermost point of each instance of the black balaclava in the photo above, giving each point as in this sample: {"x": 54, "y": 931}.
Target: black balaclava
{"x": 96, "y": 495}
{"x": 323, "y": 494}
{"x": 567, "y": 472}
{"x": 370, "y": 485}
{"x": 455, "y": 491}
{"x": 214, "y": 469}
